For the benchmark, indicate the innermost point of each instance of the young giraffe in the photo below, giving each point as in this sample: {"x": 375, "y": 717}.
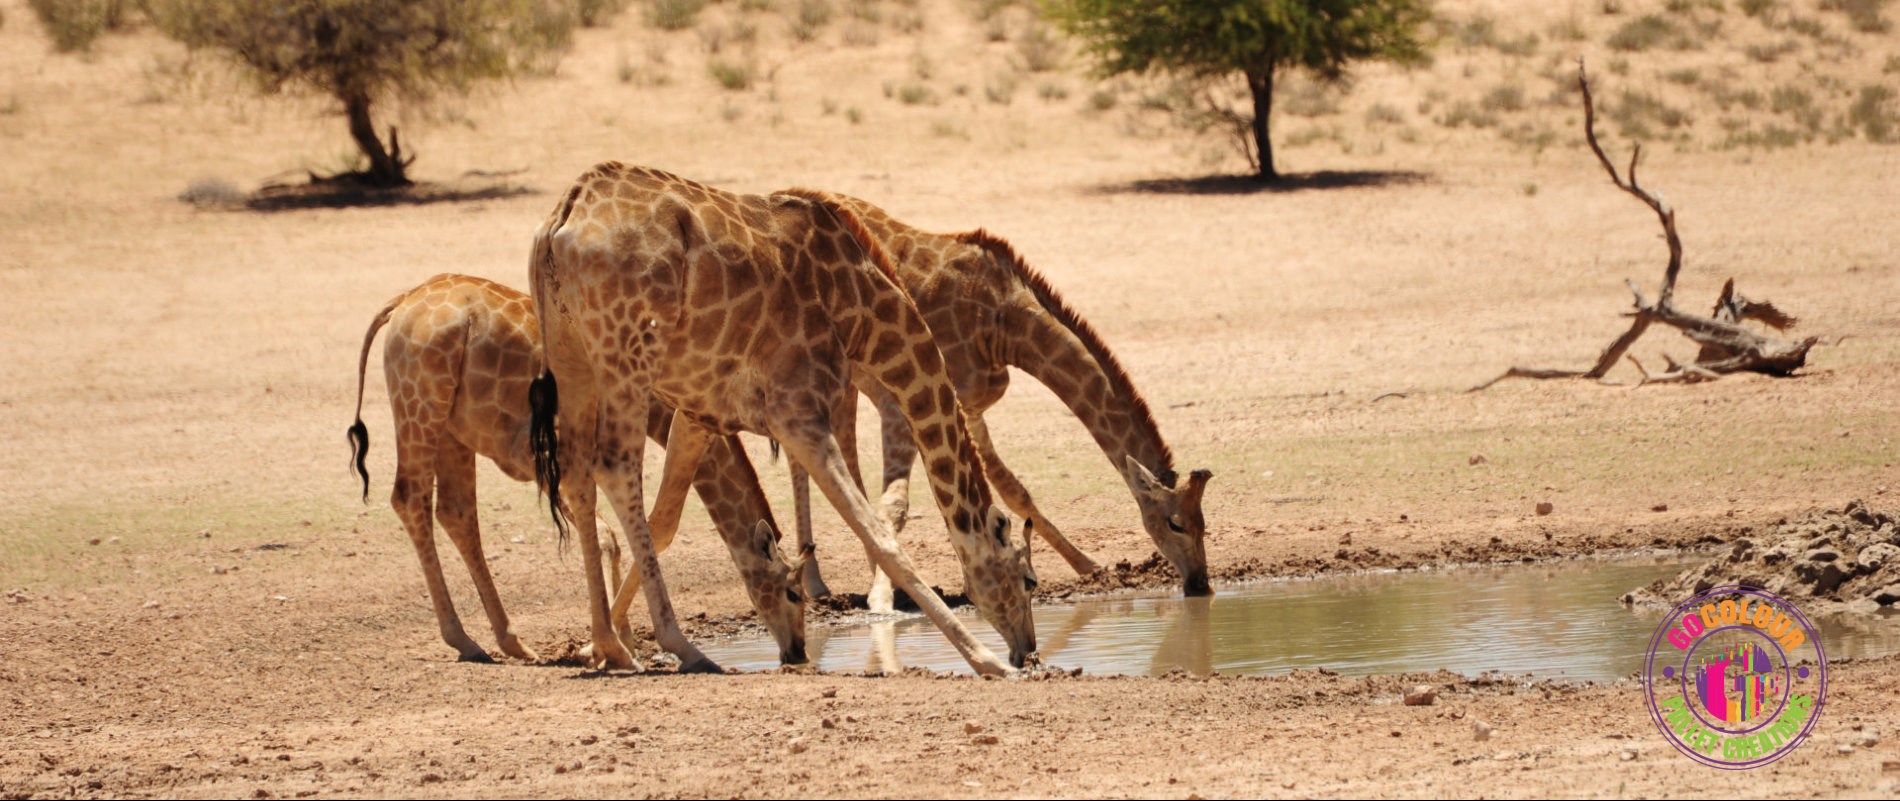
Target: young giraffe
{"x": 989, "y": 311}
{"x": 459, "y": 358}
{"x": 744, "y": 312}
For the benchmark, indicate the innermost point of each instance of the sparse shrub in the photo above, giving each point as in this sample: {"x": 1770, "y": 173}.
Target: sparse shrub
{"x": 910, "y": 22}
{"x": 1863, "y": 15}
{"x": 1892, "y": 66}
{"x": 1771, "y": 137}
{"x": 1687, "y": 76}
{"x": 1465, "y": 113}
{"x": 1480, "y": 30}
{"x": 813, "y": 16}
{"x": 730, "y": 111}
{"x": 860, "y": 34}
{"x": 1643, "y": 33}
{"x": 1569, "y": 29}
{"x": 597, "y": 13}
{"x": 1306, "y": 98}
{"x": 1635, "y": 110}
{"x": 921, "y": 67}
{"x": 673, "y": 15}
{"x": 1508, "y": 98}
{"x": 1756, "y": 8}
{"x": 1611, "y": 8}
{"x": 1769, "y": 54}
{"x": 996, "y": 29}
{"x": 1382, "y": 114}
{"x": 74, "y": 24}
{"x": 1806, "y": 26}
{"x": 853, "y": 115}
{"x": 1001, "y": 89}
{"x": 732, "y": 75}
{"x": 1053, "y": 91}
{"x": 1038, "y": 49}
{"x": 946, "y": 130}
{"x": 1102, "y": 100}
{"x": 1875, "y": 114}
{"x": 1522, "y": 46}
{"x": 914, "y": 94}
{"x": 212, "y": 192}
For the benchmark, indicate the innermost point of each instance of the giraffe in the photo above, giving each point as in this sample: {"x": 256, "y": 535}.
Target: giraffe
{"x": 743, "y": 312}
{"x": 459, "y": 357}
{"x": 989, "y": 310}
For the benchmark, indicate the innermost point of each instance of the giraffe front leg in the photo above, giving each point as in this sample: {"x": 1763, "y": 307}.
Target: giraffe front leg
{"x": 578, "y": 416}
{"x": 622, "y": 441}
{"x": 1016, "y": 496}
{"x": 820, "y": 455}
{"x": 809, "y": 577}
{"x": 455, "y": 509}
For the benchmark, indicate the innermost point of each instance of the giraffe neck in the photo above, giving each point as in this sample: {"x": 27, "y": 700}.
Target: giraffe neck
{"x": 1053, "y": 354}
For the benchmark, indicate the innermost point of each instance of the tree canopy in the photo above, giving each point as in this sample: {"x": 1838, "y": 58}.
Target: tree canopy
{"x": 367, "y": 52}
{"x": 1256, "y": 38}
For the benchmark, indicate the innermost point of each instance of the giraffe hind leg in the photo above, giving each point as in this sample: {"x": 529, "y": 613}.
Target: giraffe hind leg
{"x": 415, "y": 482}
{"x": 455, "y": 509}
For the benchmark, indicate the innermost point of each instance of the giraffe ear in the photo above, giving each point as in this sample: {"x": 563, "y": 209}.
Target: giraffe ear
{"x": 763, "y": 538}
{"x": 1143, "y": 481}
{"x": 998, "y": 524}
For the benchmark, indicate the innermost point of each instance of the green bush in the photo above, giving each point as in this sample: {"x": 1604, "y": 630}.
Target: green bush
{"x": 75, "y": 24}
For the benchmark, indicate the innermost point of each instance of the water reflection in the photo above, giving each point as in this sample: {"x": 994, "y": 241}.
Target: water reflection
{"x": 1557, "y": 620}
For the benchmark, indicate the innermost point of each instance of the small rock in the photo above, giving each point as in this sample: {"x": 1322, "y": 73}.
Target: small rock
{"x": 1888, "y": 595}
{"x": 1480, "y": 730}
{"x": 797, "y": 745}
{"x": 1477, "y": 459}
{"x": 218, "y": 571}
{"x": 1890, "y": 766}
{"x": 517, "y": 539}
{"x": 983, "y": 739}
{"x": 1868, "y": 740}
{"x": 589, "y": 739}
{"x": 1346, "y": 538}
{"x": 828, "y": 723}
{"x": 112, "y": 540}
{"x": 1422, "y": 695}
{"x": 1628, "y": 755}
{"x": 1289, "y": 784}
{"x": 972, "y": 728}
{"x": 280, "y": 599}
{"x": 1544, "y": 508}
{"x": 831, "y": 693}
{"x": 94, "y": 541}
{"x": 205, "y": 533}
{"x": 149, "y": 605}
{"x": 1661, "y": 507}
{"x": 1844, "y": 748}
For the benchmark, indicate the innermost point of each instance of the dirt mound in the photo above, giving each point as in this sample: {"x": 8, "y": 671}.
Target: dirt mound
{"x": 1850, "y": 556}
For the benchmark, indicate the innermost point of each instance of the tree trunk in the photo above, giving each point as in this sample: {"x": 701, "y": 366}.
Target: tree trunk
{"x": 1260, "y": 84}
{"x": 385, "y": 168}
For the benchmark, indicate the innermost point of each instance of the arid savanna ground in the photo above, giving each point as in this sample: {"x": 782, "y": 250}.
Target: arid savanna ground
{"x": 197, "y": 602}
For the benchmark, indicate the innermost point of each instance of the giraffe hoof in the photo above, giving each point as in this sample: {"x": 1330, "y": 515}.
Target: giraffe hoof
{"x": 477, "y": 656}
{"x": 701, "y": 665}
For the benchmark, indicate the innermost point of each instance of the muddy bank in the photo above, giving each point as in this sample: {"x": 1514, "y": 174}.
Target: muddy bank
{"x": 1848, "y": 558}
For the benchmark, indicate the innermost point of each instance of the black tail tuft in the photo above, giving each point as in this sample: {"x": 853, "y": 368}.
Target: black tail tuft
{"x": 774, "y": 450}
{"x": 359, "y": 451}
{"x": 543, "y": 401}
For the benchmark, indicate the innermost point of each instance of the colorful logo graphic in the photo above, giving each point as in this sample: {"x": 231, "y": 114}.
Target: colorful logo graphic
{"x": 1735, "y": 677}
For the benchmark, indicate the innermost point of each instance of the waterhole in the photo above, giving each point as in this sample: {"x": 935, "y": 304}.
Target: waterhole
{"x": 1551, "y": 620}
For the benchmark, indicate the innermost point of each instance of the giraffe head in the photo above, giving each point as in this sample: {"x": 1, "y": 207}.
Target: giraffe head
{"x": 772, "y": 581}
{"x": 1173, "y": 518}
{"x": 998, "y": 579}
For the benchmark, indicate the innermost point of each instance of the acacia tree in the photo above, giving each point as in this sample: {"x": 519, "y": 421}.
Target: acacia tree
{"x": 366, "y": 53}
{"x": 1255, "y": 38}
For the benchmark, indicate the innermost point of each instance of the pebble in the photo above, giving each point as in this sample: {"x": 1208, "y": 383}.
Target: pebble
{"x": 1480, "y": 730}
{"x": 797, "y": 745}
{"x": 1628, "y": 755}
{"x": 1845, "y": 748}
{"x": 1544, "y": 508}
{"x": 984, "y": 739}
{"x": 972, "y": 728}
{"x": 1422, "y": 695}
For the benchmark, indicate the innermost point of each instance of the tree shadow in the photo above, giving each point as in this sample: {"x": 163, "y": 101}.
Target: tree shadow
{"x": 350, "y": 191}
{"x": 1253, "y": 185}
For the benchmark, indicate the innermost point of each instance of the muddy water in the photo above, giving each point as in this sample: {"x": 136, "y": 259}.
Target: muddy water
{"x": 1558, "y": 620}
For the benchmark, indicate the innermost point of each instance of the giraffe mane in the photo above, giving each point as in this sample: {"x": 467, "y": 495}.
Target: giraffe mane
{"x": 1052, "y": 302}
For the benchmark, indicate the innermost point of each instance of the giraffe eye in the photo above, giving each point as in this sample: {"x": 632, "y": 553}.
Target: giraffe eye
{"x": 791, "y": 595}
{"x": 1174, "y": 524}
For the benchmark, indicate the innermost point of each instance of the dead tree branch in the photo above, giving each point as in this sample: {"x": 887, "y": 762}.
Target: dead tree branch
{"x": 1726, "y": 347}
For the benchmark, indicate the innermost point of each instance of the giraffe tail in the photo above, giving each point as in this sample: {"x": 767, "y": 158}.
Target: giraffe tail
{"x": 544, "y": 394}
{"x": 359, "y": 434}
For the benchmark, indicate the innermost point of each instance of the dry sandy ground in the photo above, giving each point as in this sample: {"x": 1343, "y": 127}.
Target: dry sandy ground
{"x": 199, "y": 604}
